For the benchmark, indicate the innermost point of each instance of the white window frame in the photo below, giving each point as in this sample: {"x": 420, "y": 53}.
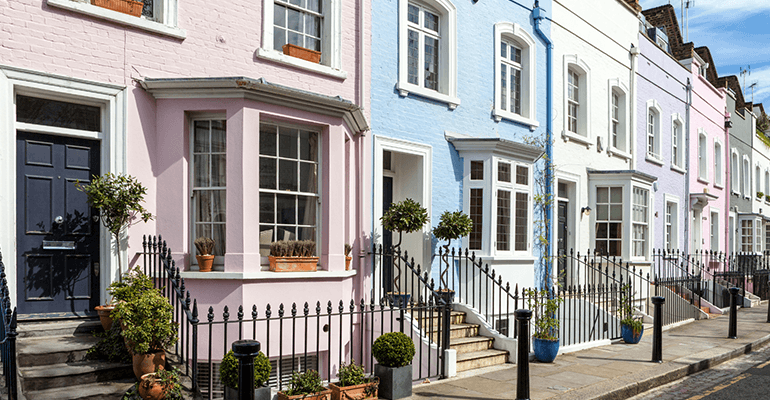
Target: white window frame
{"x": 677, "y": 143}
{"x": 583, "y": 135}
{"x": 767, "y": 185}
{"x": 747, "y": 246}
{"x": 514, "y": 189}
{"x": 331, "y": 41}
{"x": 714, "y": 230}
{"x": 757, "y": 181}
{"x": 513, "y": 33}
{"x": 718, "y": 163}
{"x": 644, "y": 224}
{"x": 703, "y": 158}
{"x": 671, "y": 242}
{"x": 735, "y": 172}
{"x": 758, "y": 239}
{"x": 447, "y": 92}
{"x": 618, "y": 88}
{"x": 746, "y": 177}
{"x": 165, "y": 23}
{"x": 653, "y": 110}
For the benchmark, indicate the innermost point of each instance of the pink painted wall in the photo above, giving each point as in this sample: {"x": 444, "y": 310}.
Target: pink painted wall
{"x": 708, "y": 113}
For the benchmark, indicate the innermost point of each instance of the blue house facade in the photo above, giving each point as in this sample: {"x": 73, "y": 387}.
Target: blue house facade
{"x": 459, "y": 111}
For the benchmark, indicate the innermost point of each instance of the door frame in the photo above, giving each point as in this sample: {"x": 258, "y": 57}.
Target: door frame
{"x": 110, "y": 98}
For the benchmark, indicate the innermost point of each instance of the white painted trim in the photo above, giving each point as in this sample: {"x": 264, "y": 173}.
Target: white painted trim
{"x": 653, "y": 159}
{"x": 652, "y": 104}
{"x": 746, "y": 180}
{"x": 267, "y": 275}
{"x": 670, "y": 198}
{"x": 719, "y": 161}
{"x": 702, "y": 134}
{"x": 677, "y": 119}
{"x": 447, "y": 92}
{"x": 720, "y": 229}
{"x": 167, "y": 27}
{"x": 614, "y": 85}
{"x": 584, "y": 122}
{"x": 272, "y": 55}
{"x": 529, "y": 74}
{"x": 111, "y": 98}
{"x": 735, "y": 176}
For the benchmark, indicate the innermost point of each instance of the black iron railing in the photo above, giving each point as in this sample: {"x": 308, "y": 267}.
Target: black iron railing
{"x": 7, "y": 335}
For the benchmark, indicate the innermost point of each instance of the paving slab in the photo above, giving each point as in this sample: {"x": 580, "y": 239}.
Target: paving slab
{"x": 619, "y": 370}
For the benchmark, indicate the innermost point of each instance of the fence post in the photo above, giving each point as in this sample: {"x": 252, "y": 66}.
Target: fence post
{"x": 522, "y": 358}
{"x": 445, "y": 326}
{"x": 733, "y": 329}
{"x": 657, "y": 329}
{"x": 244, "y": 351}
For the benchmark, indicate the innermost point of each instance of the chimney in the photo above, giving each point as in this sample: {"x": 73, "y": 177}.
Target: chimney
{"x": 634, "y": 4}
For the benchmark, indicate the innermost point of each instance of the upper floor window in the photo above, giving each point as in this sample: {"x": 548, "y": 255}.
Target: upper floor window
{"x": 427, "y": 50}
{"x": 653, "y": 129}
{"x": 157, "y": 16}
{"x": 734, "y": 172}
{"x": 514, "y": 74}
{"x": 577, "y": 77}
{"x": 746, "y": 175}
{"x": 672, "y": 222}
{"x": 297, "y": 22}
{"x": 573, "y": 101}
{"x": 758, "y": 181}
{"x": 618, "y": 116}
{"x": 677, "y": 141}
{"x": 209, "y": 177}
{"x": 702, "y": 157}
{"x": 767, "y": 185}
{"x": 718, "y": 173}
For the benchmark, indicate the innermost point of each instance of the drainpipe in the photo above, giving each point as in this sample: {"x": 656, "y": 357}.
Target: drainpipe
{"x": 632, "y": 93}
{"x": 539, "y": 15}
{"x": 687, "y": 218}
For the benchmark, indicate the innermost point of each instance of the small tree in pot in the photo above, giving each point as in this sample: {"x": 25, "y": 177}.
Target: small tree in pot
{"x": 307, "y": 386}
{"x": 394, "y": 352}
{"x": 353, "y": 384}
{"x": 544, "y": 305}
{"x": 228, "y": 374}
{"x": 403, "y": 217}
{"x": 631, "y": 327}
{"x": 451, "y": 226}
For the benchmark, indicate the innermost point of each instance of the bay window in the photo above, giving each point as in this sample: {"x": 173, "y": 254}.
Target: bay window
{"x": 609, "y": 220}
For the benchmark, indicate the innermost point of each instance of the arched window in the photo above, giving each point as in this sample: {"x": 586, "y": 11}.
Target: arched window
{"x": 746, "y": 175}
{"x": 677, "y": 141}
{"x": 618, "y": 113}
{"x": 702, "y": 156}
{"x": 718, "y": 163}
{"x": 653, "y": 130}
{"x": 734, "y": 172}
{"x": 514, "y": 74}
{"x": 577, "y": 77}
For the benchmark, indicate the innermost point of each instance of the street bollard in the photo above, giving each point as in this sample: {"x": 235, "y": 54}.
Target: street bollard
{"x": 657, "y": 329}
{"x": 522, "y": 358}
{"x": 244, "y": 351}
{"x": 733, "y": 329}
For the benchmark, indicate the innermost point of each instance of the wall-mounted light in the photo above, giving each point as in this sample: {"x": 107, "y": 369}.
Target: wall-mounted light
{"x": 585, "y": 211}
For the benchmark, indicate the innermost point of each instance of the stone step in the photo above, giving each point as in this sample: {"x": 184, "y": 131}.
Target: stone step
{"x": 58, "y": 328}
{"x": 70, "y": 374}
{"x": 95, "y": 391}
{"x": 457, "y": 317}
{"x": 459, "y": 331}
{"x": 470, "y": 344}
{"x": 38, "y": 351}
{"x": 479, "y": 359}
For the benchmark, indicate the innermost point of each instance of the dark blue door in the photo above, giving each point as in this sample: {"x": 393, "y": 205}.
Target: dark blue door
{"x": 387, "y": 236}
{"x": 57, "y": 236}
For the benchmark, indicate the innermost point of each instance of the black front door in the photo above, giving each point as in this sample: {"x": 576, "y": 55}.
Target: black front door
{"x": 57, "y": 236}
{"x": 561, "y": 249}
{"x": 387, "y": 236}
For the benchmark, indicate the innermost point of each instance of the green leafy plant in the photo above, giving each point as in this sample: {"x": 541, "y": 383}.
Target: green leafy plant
{"x": 767, "y": 197}
{"x": 760, "y": 195}
{"x": 228, "y": 370}
{"x": 146, "y": 320}
{"x": 110, "y": 347}
{"x": 204, "y": 245}
{"x": 393, "y": 349}
{"x": 453, "y": 225}
{"x": 119, "y": 200}
{"x": 627, "y": 311}
{"x": 763, "y": 122}
{"x": 308, "y": 382}
{"x": 169, "y": 379}
{"x": 132, "y": 284}
{"x": 544, "y": 306}
{"x": 292, "y": 248}
{"x": 404, "y": 217}
{"x": 351, "y": 374}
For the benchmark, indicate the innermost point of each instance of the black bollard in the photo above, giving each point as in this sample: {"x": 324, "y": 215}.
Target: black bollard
{"x": 244, "y": 351}
{"x": 522, "y": 357}
{"x": 733, "y": 329}
{"x": 657, "y": 329}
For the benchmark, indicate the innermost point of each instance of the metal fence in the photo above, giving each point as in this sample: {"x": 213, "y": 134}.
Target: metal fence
{"x": 7, "y": 335}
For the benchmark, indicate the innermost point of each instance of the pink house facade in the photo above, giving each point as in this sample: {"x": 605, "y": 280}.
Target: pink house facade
{"x": 233, "y": 139}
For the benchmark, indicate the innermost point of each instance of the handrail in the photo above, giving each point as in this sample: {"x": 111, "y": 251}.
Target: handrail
{"x": 8, "y": 325}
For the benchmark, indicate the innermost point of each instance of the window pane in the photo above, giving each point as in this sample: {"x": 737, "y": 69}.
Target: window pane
{"x": 414, "y": 14}
{"x": 201, "y": 137}
{"x": 314, "y": 5}
{"x": 287, "y": 142}
{"x": 306, "y": 234}
{"x": 203, "y": 206}
{"x": 503, "y": 220}
{"x": 503, "y": 87}
{"x": 306, "y": 210}
{"x": 503, "y": 50}
{"x": 602, "y": 211}
{"x": 431, "y": 21}
{"x": 218, "y": 170}
{"x": 602, "y": 195}
{"x": 503, "y": 172}
{"x": 616, "y": 212}
{"x": 286, "y": 209}
{"x": 33, "y": 110}
{"x": 148, "y": 10}
{"x": 515, "y": 90}
{"x": 201, "y": 170}
{"x": 601, "y": 231}
{"x": 312, "y": 25}
{"x": 267, "y": 173}
{"x": 202, "y": 230}
{"x": 218, "y": 137}
{"x": 431, "y": 63}
{"x": 308, "y": 177}
{"x": 218, "y": 234}
{"x": 219, "y": 205}
{"x": 308, "y": 146}
{"x": 516, "y": 55}
{"x": 279, "y": 38}
{"x": 477, "y": 170}
{"x": 413, "y": 56}
{"x": 293, "y": 19}
{"x": 266, "y": 233}
{"x": 287, "y": 175}
{"x": 522, "y": 175}
{"x": 616, "y": 195}
{"x": 266, "y": 208}
{"x": 295, "y": 39}
{"x": 267, "y": 140}
{"x": 279, "y": 15}
{"x": 522, "y": 205}
{"x": 477, "y": 215}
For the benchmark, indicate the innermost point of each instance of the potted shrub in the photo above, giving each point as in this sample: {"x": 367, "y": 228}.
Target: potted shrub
{"x": 307, "y": 386}
{"x": 205, "y": 256}
{"x": 760, "y": 195}
{"x": 394, "y": 352}
{"x": 348, "y": 258}
{"x": 545, "y": 341}
{"x": 159, "y": 385}
{"x": 228, "y": 374}
{"x": 128, "y": 287}
{"x": 767, "y": 198}
{"x": 403, "y": 217}
{"x": 631, "y": 327}
{"x": 110, "y": 347}
{"x": 353, "y": 384}
{"x": 451, "y": 226}
{"x": 300, "y": 52}
{"x": 293, "y": 256}
{"x": 147, "y": 329}
{"x": 130, "y": 7}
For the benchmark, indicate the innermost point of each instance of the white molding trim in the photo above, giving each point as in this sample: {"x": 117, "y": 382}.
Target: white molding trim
{"x": 613, "y": 85}
{"x": 112, "y": 100}
{"x": 585, "y": 109}
{"x": 670, "y": 198}
{"x": 702, "y": 134}
{"x": 167, "y": 27}
{"x": 719, "y": 162}
{"x": 267, "y": 275}
{"x": 276, "y": 56}
{"x": 447, "y": 92}
{"x": 529, "y": 75}
{"x": 677, "y": 119}
{"x": 746, "y": 191}
{"x": 735, "y": 176}
{"x": 652, "y": 104}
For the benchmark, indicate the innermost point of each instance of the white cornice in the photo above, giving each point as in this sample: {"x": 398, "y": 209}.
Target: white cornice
{"x": 496, "y": 146}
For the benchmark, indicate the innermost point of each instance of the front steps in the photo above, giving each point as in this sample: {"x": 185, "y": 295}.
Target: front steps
{"x": 52, "y": 366}
{"x": 473, "y": 351}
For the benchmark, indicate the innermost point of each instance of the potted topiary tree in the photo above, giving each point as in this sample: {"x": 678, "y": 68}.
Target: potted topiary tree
{"x": 147, "y": 329}
{"x": 293, "y": 256}
{"x": 451, "y": 226}
{"x": 228, "y": 374}
{"x": 631, "y": 327}
{"x": 159, "y": 385}
{"x": 545, "y": 341}
{"x": 394, "y": 352}
{"x": 353, "y": 384}
{"x": 307, "y": 386}
{"x": 403, "y": 217}
{"x": 205, "y": 256}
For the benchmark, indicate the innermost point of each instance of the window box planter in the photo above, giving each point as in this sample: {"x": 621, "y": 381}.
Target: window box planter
{"x": 363, "y": 391}
{"x": 129, "y": 7}
{"x": 325, "y": 395}
{"x": 302, "y": 53}
{"x": 293, "y": 264}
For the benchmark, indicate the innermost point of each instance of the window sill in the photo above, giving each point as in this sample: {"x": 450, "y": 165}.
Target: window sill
{"x": 653, "y": 159}
{"x": 404, "y": 89}
{"x": 118, "y": 17}
{"x": 266, "y": 275}
{"x": 567, "y": 135}
{"x": 278, "y": 57}
{"x": 614, "y": 151}
{"x": 678, "y": 169}
{"x": 718, "y": 186}
{"x": 500, "y": 114}
{"x": 704, "y": 181}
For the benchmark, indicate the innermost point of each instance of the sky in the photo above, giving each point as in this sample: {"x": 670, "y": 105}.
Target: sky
{"x": 737, "y": 33}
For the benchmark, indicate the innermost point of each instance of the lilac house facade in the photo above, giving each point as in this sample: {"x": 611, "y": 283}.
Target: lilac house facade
{"x": 233, "y": 139}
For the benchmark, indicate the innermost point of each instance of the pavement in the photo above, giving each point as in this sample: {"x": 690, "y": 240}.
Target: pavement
{"x": 616, "y": 371}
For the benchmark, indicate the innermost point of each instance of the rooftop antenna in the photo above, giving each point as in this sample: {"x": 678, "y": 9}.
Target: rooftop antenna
{"x": 744, "y": 72}
{"x": 752, "y": 86}
{"x": 686, "y": 5}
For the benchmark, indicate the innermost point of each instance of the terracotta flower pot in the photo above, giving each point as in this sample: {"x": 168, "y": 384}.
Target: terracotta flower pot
{"x": 347, "y": 262}
{"x": 148, "y": 363}
{"x": 363, "y": 391}
{"x": 150, "y": 388}
{"x": 105, "y": 316}
{"x": 325, "y": 395}
{"x": 301, "y": 52}
{"x": 205, "y": 263}
{"x": 129, "y": 7}
{"x": 293, "y": 264}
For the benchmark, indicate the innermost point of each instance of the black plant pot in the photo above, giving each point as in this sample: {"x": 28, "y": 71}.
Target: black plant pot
{"x": 395, "y": 383}
{"x": 260, "y": 393}
{"x": 447, "y": 295}
{"x": 399, "y": 300}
